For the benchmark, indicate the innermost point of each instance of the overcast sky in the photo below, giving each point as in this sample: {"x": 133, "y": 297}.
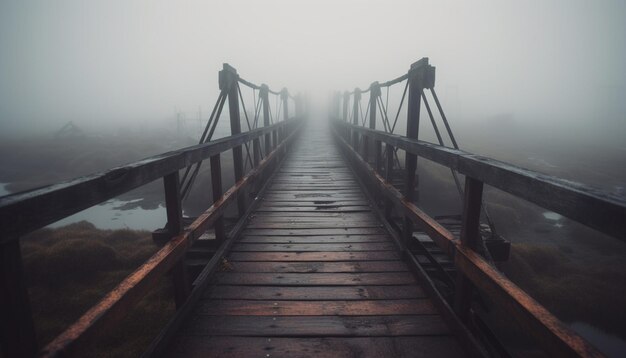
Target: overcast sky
{"x": 118, "y": 61}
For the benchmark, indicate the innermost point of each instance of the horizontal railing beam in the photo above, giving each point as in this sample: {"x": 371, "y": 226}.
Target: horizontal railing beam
{"x": 24, "y": 212}
{"x": 586, "y": 205}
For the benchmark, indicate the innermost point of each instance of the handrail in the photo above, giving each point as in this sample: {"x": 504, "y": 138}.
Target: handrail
{"x": 597, "y": 209}
{"x": 24, "y": 212}
{"x": 553, "y": 335}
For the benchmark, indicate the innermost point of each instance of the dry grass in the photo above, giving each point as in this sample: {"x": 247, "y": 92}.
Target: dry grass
{"x": 71, "y": 268}
{"x": 590, "y": 291}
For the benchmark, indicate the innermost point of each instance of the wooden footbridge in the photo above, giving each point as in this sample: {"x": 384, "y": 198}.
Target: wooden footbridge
{"x": 331, "y": 255}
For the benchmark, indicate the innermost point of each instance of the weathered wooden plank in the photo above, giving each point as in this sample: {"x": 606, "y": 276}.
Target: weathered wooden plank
{"x": 312, "y": 225}
{"x": 320, "y": 326}
{"x": 312, "y": 220}
{"x": 313, "y": 232}
{"x": 319, "y": 203}
{"x": 316, "y": 308}
{"x": 342, "y": 209}
{"x": 304, "y": 293}
{"x": 316, "y": 214}
{"x": 348, "y": 247}
{"x": 314, "y": 256}
{"x": 314, "y": 279}
{"x": 311, "y": 267}
{"x": 370, "y": 347}
{"x": 313, "y": 239}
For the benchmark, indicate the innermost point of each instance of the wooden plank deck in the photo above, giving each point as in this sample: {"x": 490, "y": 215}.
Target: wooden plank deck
{"x": 315, "y": 275}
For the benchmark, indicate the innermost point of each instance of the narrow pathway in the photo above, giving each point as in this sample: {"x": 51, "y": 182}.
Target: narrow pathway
{"x": 315, "y": 275}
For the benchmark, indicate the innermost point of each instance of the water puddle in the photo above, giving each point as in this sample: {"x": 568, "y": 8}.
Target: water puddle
{"x": 110, "y": 215}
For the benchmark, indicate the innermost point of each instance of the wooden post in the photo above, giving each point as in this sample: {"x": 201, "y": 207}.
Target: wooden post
{"x": 284, "y": 95}
{"x": 346, "y": 131}
{"x": 389, "y": 177}
{"x": 355, "y": 118}
{"x": 174, "y": 226}
{"x": 265, "y": 103}
{"x": 228, "y": 81}
{"x": 16, "y": 321}
{"x": 470, "y": 236}
{"x": 374, "y": 93}
{"x": 216, "y": 184}
{"x": 421, "y": 75}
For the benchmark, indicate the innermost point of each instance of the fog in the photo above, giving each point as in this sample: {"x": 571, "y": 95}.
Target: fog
{"x": 127, "y": 62}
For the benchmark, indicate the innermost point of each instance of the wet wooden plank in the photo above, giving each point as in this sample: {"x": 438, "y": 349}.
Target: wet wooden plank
{"x": 312, "y": 215}
{"x": 316, "y": 308}
{"x": 350, "y": 247}
{"x": 312, "y": 267}
{"x": 320, "y": 239}
{"x": 321, "y": 326}
{"x": 329, "y": 209}
{"x": 314, "y": 279}
{"x": 312, "y": 232}
{"x": 370, "y": 347}
{"x": 315, "y": 293}
{"x": 260, "y": 224}
{"x": 316, "y": 203}
{"x": 314, "y": 256}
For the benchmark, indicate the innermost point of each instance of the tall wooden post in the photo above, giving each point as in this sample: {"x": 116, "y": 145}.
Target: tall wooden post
{"x": 374, "y": 93}
{"x": 265, "y": 103}
{"x": 421, "y": 75}
{"x": 284, "y": 96}
{"x": 470, "y": 238}
{"x": 355, "y": 118}
{"x": 228, "y": 80}
{"x": 16, "y": 321}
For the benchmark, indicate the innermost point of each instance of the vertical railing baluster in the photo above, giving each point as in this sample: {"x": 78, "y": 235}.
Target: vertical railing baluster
{"x": 16, "y": 320}
{"x": 390, "y": 151}
{"x": 216, "y": 186}
{"x": 174, "y": 226}
{"x": 470, "y": 236}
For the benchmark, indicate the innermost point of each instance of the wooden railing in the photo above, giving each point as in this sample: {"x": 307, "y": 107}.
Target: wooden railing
{"x": 364, "y": 148}
{"x": 22, "y": 213}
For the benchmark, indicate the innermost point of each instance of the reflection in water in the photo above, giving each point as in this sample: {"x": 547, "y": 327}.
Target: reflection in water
{"x": 108, "y": 216}
{"x": 610, "y": 345}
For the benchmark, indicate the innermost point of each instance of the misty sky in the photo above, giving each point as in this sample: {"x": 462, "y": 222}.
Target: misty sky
{"x": 119, "y": 61}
